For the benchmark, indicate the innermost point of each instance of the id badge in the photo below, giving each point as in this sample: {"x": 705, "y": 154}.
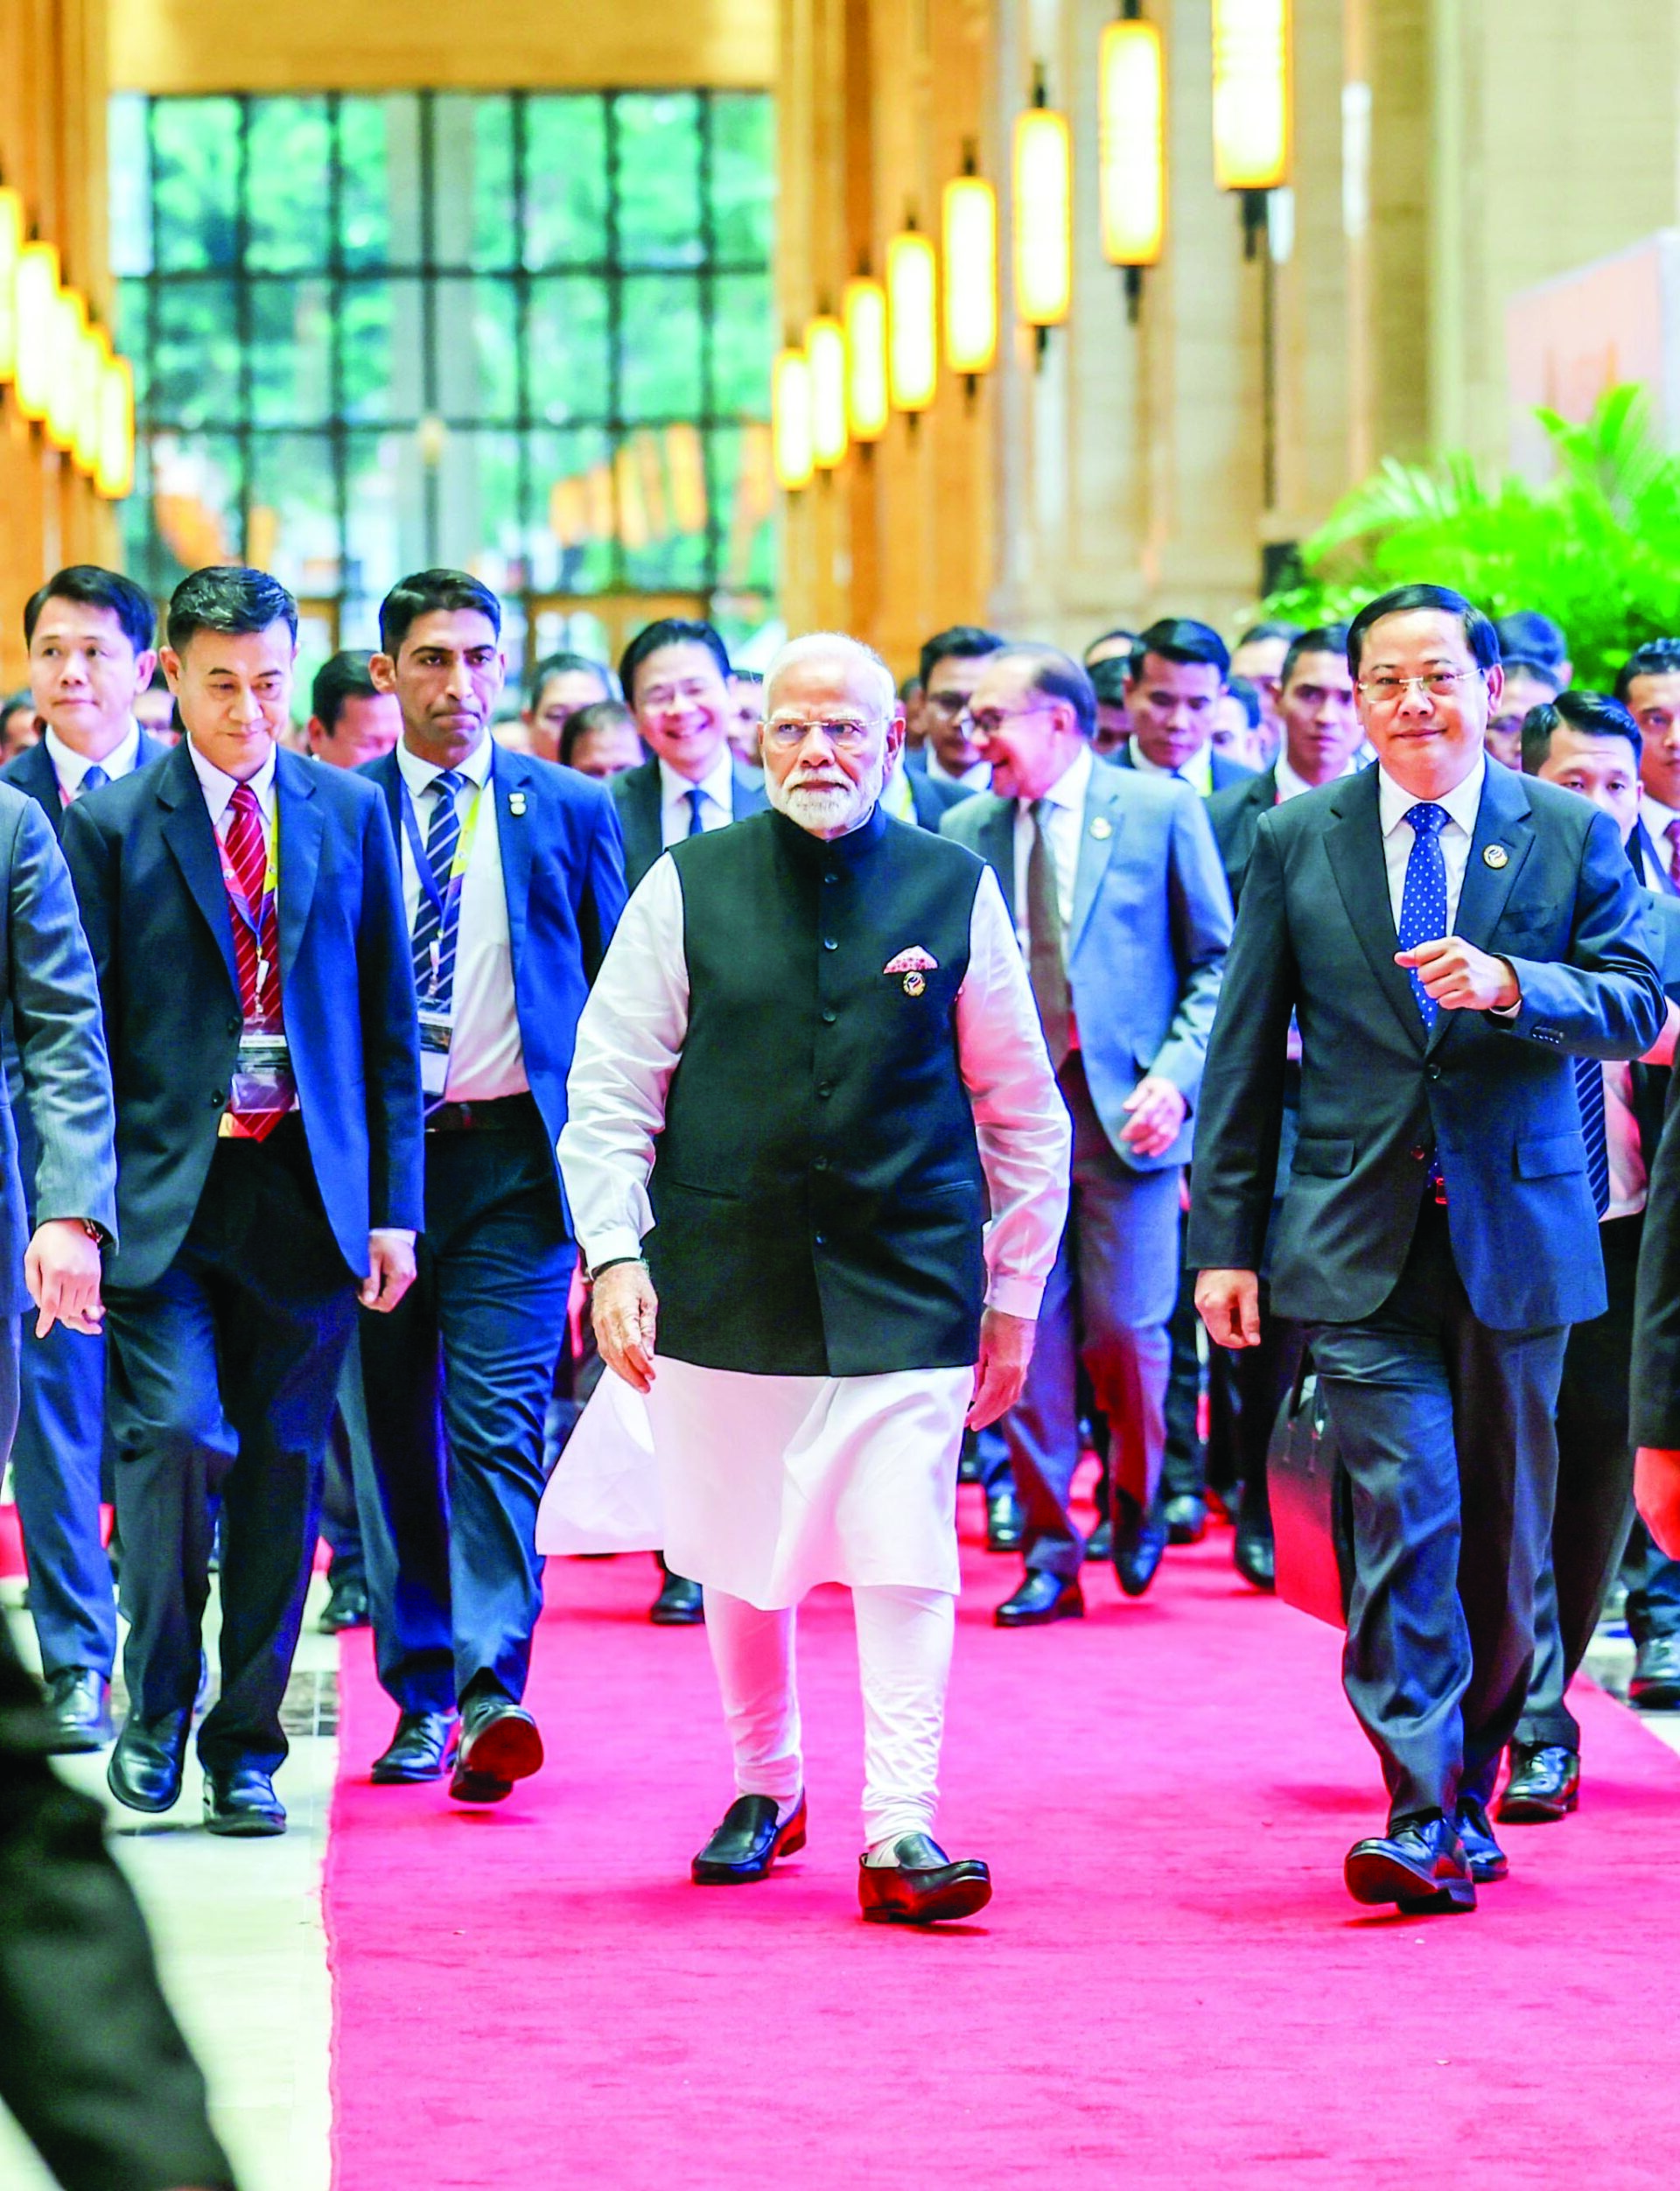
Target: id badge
{"x": 436, "y": 1029}
{"x": 262, "y": 1077}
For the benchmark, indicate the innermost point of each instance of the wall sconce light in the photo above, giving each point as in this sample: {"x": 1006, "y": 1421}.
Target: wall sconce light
{"x": 113, "y": 470}
{"x": 971, "y": 236}
{"x": 1131, "y": 141}
{"x": 12, "y": 246}
{"x": 95, "y": 363}
{"x": 912, "y": 321}
{"x": 36, "y": 292}
{"x": 64, "y": 398}
{"x": 1044, "y": 215}
{"x": 790, "y": 417}
{"x": 864, "y": 309}
{"x": 1250, "y": 93}
{"x": 825, "y": 347}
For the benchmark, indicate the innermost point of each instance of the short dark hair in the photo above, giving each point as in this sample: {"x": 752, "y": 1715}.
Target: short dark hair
{"x": 561, "y": 665}
{"x": 1108, "y": 680}
{"x": 1547, "y": 673}
{"x": 747, "y": 677}
{"x": 1181, "y": 639}
{"x": 670, "y": 631}
{"x": 1656, "y": 658}
{"x": 1291, "y": 632}
{"x": 1588, "y": 714}
{"x": 426, "y": 591}
{"x": 1323, "y": 639}
{"x": 1479, "y": 634}
{"x": 228, "y": 596}
{"x": 1059, "y": 677}
{"x": 1240, "y": 689}
{"x": 1534, "y": 637}
{"x": 957, "y": 642}
{"x": 599, "y": 714}
{"x": 91, "y": 587}
{"x": 341, "y": 677}
{"x": 1120, "y": 631}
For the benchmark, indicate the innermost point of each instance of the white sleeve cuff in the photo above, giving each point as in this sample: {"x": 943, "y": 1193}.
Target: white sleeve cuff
{"x": 614, "y": 1244}
{"x": 1016, "y": 1297}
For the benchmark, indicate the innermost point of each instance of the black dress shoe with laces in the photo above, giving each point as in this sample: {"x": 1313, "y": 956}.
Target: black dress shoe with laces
{"x": 1005, "y": 1521}
{"x": 747, "y": 1842}
{"x": 921, "y": 1886}
{"x": 680, "y": 1604}
{"x": 144, "y": 1771}
{"x": 1139, "y": 1540}
{"x": 1486, "y": 1859}
{"x": 347, "y": 1604}
{"x": 1186, "y": 1519}
{"x": 499, "y": 1743}
{"x": 1544, "y": 1786}
{"x": 1041, "y": 1597}
{"x": 79, "y": 1701}
{"x": 1655, "y": 1683}
{"x": 422, "y": 1749}
{"x": 241, "y": 1803}
{"x": 1418, "y": 1864}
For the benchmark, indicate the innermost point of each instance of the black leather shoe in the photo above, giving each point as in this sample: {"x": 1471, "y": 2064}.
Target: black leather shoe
{"x": 422, "y": 1749}
{"x": 923, "y": 1887}
{"x": 1655, "y": 1683}
{"x": 500, "y": 1745}
{"x": 1005, "y": 1522}
{"x": 1041, "y": 1597}
{"x": 345, "y": 1606}
{"x": 1255, "y": 1557}
{"x": 680, "y": 1604}
{"x": 243, "y": 1803}
{"x": 1186, "y": 1519}
{"x": 1544, "y": 1786}
{"x": 1482, "y": 1853}
{"x": 1099, "y": 1545}
{"x": 79, "y": 1701}
{"x": 967, "y": 1462}
{"x": 1139, "y": 1540}
{"x": 145, "y": 1767}
{"x": 747, "y": 1842}
{"x": 1421, "y": 1865}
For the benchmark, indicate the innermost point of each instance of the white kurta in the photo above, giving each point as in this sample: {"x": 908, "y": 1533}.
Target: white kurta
{"x": 771, "y": 1484}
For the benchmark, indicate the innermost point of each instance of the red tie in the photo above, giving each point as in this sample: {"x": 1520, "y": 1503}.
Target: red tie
{"x": 1673, "y": 835}
{"x": 246, "y": 866}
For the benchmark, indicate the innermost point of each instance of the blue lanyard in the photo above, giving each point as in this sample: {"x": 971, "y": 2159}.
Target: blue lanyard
{"x": 423, "y": 860}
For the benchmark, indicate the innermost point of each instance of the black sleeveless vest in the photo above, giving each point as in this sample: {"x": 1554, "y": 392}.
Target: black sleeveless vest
{"x": 817, "y": 1193}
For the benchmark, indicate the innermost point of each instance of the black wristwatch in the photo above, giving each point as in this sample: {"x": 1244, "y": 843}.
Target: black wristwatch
{"x": 611, "y": 1263}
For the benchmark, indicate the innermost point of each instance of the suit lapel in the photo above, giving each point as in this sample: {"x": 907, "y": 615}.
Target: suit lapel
{"x": 1353, "y": 844}
{"x": 750, "y": 797}
{"x": 997, "y": 844}
{"x": 192, "y": 842}
{"x": 1502, "y": 821}
{"x": 41, "y": 779}
{"x": 301, "y": 825}
{"x": 1105, "y": 802}
{"x": 511, "y": 773}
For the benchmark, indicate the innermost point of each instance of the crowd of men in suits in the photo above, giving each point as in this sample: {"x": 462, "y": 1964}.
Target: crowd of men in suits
{"x": 339, "y": 973}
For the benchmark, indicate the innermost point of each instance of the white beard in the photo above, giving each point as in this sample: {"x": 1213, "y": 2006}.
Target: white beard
{"x": 828, "y": 810}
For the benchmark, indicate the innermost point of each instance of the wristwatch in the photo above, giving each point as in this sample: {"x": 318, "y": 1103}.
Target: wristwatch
{"x": 611, "y": 1263}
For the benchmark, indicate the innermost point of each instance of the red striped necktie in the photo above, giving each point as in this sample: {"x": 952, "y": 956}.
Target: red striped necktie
{"x": 256, "y": 935}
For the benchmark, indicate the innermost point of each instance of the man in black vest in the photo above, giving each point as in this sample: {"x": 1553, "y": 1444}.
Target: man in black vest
{"x": 810, "y": 1059}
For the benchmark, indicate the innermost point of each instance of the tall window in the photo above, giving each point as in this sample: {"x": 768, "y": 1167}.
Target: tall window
{"x": 524, "y": 332}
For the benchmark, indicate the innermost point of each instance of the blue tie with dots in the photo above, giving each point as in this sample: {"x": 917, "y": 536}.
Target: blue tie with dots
{"x": 1423, "y": 903}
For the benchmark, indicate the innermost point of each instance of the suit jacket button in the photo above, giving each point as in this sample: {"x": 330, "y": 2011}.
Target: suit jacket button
{"x": 217, "y": 1099}
{"x": 234, "y": 1025}
{"x": 822, "y": 1239}
{"x": 820, "y": 1164}
{"x": 829, "y": 1019}
{"x": 825, "y": 1088}
{"x": 1431, "y": 1072}
{"x": 828, "y": 943}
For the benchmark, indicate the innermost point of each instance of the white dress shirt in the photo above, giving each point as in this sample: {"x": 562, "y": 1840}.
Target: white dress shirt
{"x": 1290, "y": 786}
{"x": 897, "y": 798}
{"x": 1062, "y": 825}
{"x": 630, "y": 1038}
{"x": 218, "y": 788}
{"x": 1462, "y": 803}
{"x": 486, "y": 1057}
{"x": 1627, "y": 1175}
{"x": 1658, "y": 820}
{"x": 1198, "y": 771}
{"x": 978, "y": 775}
{"x": 71, "y": 766}
{"x": 676, "y": 808}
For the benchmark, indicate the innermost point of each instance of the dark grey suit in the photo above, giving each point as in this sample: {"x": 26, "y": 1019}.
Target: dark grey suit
{"x": 1438, "y": 1334}
{"x": 639, "y": 796}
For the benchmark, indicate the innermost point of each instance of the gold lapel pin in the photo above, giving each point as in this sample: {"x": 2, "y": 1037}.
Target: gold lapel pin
{"x": 516, "y": 803}
{"x": 1496, "y": 855}
{"x": 1100, "y": 827}
{"x": 915, "y": 985}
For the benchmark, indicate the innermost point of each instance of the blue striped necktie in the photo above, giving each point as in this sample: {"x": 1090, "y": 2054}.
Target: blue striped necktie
{"x": 435, "y": 937}
{"x": 1589, "y": 1088}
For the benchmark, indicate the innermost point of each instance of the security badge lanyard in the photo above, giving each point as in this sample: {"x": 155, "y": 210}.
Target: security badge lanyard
{"x": 437, "y": 1013}
{"x": 262, "y": 1077}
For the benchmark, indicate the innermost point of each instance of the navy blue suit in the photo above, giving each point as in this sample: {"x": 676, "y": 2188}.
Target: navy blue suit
{"x": 231, "y": 1299}
{"x": 457, "y": 1379}
{"x": 56, "y": 1461}
{"x": 932, "y": 798}
{"x": 1223, "y": 776}
{"x": 639, "y": 796}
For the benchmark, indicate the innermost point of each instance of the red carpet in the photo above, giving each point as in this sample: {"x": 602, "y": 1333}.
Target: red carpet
{"x": 1170, "y": 1987}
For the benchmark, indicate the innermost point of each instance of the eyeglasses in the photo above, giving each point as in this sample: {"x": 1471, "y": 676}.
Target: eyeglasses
{"x": 990, "y": 721}
{"x": 951, "y": 703}
{"x": 848, "y": 735}
{"x": 1438, "y": 684}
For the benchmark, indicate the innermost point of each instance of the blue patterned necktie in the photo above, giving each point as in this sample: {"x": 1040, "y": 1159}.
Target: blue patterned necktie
{"x": 1589, "y": 1090}
{"x": 435, "y": 936}
{"x": 696, "y": 825}
{"x": 1423, "y": 903}
{"x": 93, "y": 779}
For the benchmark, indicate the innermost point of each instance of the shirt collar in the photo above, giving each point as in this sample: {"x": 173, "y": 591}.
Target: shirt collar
{"x": 1198, "y": 771}
{"x": 220, "y": 786}
{"x": 1462, "y": 803}
{"x": 1655, "y": 816}
{"x": 420, "y": 774}
{"x": 1290, "y": 786}
{"x": 71, "y": 766}
{"x": 976, "y": 776}
{"x": 717, "y": 783}
{"x": 1069, "y": 788}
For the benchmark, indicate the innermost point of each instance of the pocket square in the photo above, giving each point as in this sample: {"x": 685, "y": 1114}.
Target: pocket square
{"x": 913, "y": 960}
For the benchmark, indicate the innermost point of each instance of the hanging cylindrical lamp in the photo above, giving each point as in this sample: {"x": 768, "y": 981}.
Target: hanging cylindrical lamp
{"x": 971, "y": 236}
{"x": 912, "y": 321}
{"x": 1044, "y": 215}
{"x": 868, "y": 404}
{"x": 113, "y": 473}
{"x": 1132, "y": 148}
{"x": 790, "y": 417}
{"x": 825, "y": 348}
{"x": 95, "y": 363}
{"x": 12, "y": 246}
{"x": 1250, "y": 93}
{"x": 64, "y": 398}
{"x": 36, "y": 292}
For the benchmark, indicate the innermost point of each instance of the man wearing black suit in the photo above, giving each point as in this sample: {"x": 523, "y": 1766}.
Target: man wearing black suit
{"x": 1179, "y": 669}
{"x": 947, "y": 670}
{"x": 90, "y": 638}
{"x": 243, "y": 909}
{"x": 1647, "y": 684}
{"x": 1449, "y": 936}
{"x": 513, "y": 884}
{"x": 1590, "y": 746}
